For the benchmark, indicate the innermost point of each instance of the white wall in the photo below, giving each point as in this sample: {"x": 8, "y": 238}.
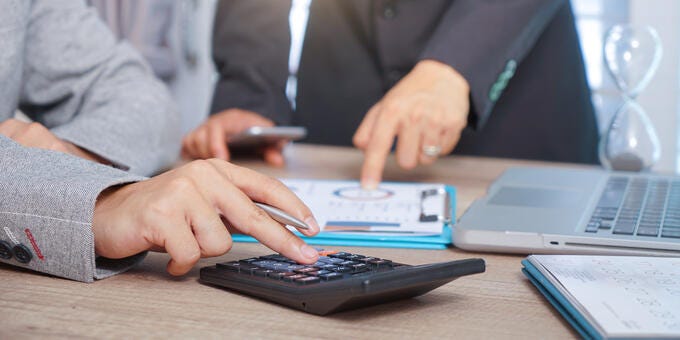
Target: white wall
{"x": 661, "y": 98}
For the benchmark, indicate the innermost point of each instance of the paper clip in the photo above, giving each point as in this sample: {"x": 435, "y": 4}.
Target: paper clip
{"x": 446, "y": 217}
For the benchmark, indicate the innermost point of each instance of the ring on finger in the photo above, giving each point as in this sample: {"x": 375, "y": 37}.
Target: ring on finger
{"x": 431, "y": 150}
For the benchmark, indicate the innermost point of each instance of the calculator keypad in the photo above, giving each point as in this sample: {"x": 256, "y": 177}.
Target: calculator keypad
{"x": 331, "y": 266}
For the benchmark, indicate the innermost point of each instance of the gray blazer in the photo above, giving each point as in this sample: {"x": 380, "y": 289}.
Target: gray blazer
{"x": 61, "y": 66}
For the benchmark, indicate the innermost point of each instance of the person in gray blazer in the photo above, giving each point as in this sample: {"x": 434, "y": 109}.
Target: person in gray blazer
{"x": 74, "y": 201}
{"x": 490, "y": 78}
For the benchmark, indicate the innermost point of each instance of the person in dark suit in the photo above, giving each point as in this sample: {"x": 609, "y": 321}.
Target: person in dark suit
{"x": 501, "y": 79}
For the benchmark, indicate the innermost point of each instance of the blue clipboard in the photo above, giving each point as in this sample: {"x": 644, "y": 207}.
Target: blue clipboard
{"x": 559, "y": 301}
{"x": 440, "y": 241}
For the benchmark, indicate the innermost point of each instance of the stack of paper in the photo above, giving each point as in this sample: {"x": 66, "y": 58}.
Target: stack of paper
{"x": 611, "y": 296}
{"x": 409, "y": 215}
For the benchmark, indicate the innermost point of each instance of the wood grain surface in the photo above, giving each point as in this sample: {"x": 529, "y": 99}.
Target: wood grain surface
{"x": 146, "y": 302}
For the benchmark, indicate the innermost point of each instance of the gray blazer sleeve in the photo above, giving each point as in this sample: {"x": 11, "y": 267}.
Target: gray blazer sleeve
{"x": 47, "y": 201}
{"x": 251, "y": 57}
{"x": 94, "y": 92}
{"x": 471, "y": 29}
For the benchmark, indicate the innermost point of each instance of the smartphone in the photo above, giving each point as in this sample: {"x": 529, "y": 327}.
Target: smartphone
{"x": 259, "y": 136}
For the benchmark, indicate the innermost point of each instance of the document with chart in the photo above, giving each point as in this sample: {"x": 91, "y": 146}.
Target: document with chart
{"x": 396, "y": 214}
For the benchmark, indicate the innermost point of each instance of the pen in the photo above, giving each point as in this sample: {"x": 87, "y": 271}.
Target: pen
{"x": 282, "y": 217}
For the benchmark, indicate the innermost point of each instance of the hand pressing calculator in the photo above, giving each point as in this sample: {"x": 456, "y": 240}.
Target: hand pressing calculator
{"x": 338, "y": 281}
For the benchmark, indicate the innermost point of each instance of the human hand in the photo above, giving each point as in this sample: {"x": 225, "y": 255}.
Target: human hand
{"x": 427, "y": 110}
{"x": 189, "y": 212}
{"x": 36, "y": 135}
{"x": 211, "y": 138}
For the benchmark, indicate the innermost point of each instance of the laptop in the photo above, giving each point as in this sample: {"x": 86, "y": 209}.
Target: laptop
{"x": 578, "y": 211}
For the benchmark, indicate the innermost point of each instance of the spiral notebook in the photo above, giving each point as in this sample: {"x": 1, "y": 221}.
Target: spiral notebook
{"x": 396, "y": 214}
{"x": 611, "y": 297}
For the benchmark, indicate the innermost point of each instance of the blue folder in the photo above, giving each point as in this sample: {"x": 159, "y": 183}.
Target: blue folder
{"x": 440, "y": 241}
{"x": 560, "y": 302}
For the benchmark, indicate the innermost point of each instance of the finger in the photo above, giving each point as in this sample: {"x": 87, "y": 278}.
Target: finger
{"x": 211, "y": 234}
{"x": 452, "y": 130}
{"x": 18, "y": 129}
{"x": 38, "y": 136}
{"x": 11, "y": 126}
{"x": 430, "y": 137}
{"x": 217, "y": 141}
{"x": 254, "y": 119}
{"x": 179, "y": 242}
{"x": 236, "y": 121}
{"x": 202, "y": 144}
{"x": 363, "y": 133}
{"x": 408, "y": 146}
{"x": 378, "y": 149}
{"x": 449, "y": 141}
{"x": 268, "y": 190}
{"x": 273, "y": 154}
{"x": 192, "y": 144}
{"x": 242, "y": 214}
{"x": 187, "y": 151}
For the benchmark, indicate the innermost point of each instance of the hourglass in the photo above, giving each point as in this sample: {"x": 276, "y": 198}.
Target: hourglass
{"x": 632, "y": 55}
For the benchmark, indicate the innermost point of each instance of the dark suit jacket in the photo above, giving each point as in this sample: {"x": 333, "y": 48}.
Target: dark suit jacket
{"x": 529, "y": 96}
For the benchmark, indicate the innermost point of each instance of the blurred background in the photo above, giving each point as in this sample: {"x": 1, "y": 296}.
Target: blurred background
{"x": 191, "y": 82}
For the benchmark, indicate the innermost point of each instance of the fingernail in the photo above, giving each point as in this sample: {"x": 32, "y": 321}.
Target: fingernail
{"x": 312, "y": 223}
{"x": 308, "y": 251}
{"x": 369, "y": 184}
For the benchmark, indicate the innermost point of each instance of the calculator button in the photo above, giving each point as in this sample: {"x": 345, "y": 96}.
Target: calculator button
{"x": 340, "y": 255}
{"x": 317, "y": 273}
{"x": 279, "y": 275}
{"x": 380, "y": 263}
{"x": 307, "y": 280}
{"x": 265, "y": 264}
{"x": 292, "y": 267}
{"x": 347, "y": 263}
{"x": 354, "y": 257}
{"x": 305, "y": 270}
{"x": 331, "y": 276}
{"x": 280, "y": 266}
{"x": 292, "y": 278}
{"x": 333, "y": 260}
{"x": 325, "y": 259}
{"x": 368, "y": 259}
{"x": 359, "y": 267}
{"x": 343, "y": 269}
{"x": 330, "y": 267}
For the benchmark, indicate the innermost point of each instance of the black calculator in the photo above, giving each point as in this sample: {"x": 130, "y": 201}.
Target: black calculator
{"x": 337, "y": 281}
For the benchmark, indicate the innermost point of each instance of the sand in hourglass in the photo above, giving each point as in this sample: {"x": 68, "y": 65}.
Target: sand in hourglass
{"x": 627, "y": 161}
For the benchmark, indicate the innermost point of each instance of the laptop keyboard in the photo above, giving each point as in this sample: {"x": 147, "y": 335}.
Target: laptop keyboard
{"x": 638, "y": 206}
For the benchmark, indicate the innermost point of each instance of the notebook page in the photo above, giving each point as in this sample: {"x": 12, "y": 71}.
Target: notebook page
{"x": 626, "y": 296}
{"x": 392, "y": 209}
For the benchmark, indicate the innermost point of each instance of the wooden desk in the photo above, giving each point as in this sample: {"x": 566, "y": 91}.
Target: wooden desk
{"x": 147, "y": 302}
